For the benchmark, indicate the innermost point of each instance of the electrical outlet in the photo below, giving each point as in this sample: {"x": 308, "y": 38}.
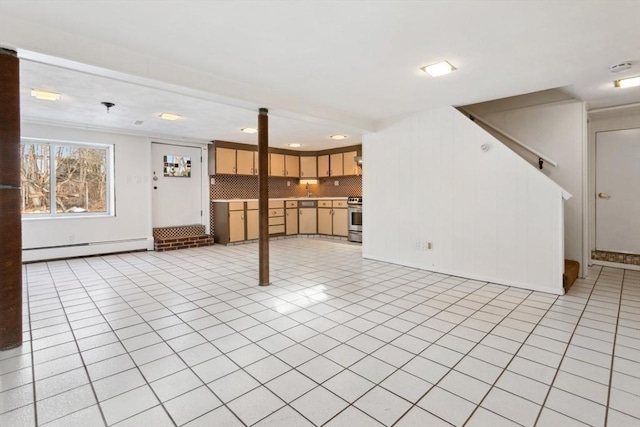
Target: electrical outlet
{"x": 336, "y": 183}
{"x": 288, "y": 183}
{"x": 213, "y": 181}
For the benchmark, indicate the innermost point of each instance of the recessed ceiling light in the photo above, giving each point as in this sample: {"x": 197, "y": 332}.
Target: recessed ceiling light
{"x": 249, "y": 130}
{"x": 630, "y": 82}
{"x": 439, "y": 69}
{"x": 46, "y": 95}
{"x": 170, "y": 116}
{"x": 295, "y": 145}
{"x": 338, "y": 137}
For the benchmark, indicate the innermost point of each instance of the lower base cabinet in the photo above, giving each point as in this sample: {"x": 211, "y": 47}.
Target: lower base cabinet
{"x": 340, "y": 222}
{"x": 308, "y": 221}
{"x": 239, "y": 221}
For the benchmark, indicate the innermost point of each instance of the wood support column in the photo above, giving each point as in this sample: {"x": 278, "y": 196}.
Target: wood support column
{"x": 263, "y": 195}
{"x": 10, "y": 211}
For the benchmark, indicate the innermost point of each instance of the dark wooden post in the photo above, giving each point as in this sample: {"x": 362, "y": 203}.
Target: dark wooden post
{"x": 263, "y": 195}
{"x": 10, "y": 215}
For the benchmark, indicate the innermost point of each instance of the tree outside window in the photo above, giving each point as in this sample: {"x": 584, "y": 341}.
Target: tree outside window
{"x": 78, "y": 184}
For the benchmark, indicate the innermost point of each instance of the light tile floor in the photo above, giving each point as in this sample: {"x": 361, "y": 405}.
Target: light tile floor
{"x": 188, "y": 338}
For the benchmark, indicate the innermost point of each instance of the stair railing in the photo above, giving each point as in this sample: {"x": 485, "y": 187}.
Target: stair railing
{"x": 541, "y": 157}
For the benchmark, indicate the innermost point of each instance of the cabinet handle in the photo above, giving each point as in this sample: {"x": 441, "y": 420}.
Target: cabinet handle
{"x": 241, "y": 216}
{"x": 301, "y": 173}
{"x": 233, "y": 169}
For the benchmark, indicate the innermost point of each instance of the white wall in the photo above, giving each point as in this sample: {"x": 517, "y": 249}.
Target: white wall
{"x": 128, "y": 229}
{"x": 489, "y": 215}
{"x": 557, "y": 130}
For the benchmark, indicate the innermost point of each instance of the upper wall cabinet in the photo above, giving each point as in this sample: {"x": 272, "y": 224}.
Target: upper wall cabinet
{"x": 276, "y": 164}
{"x": 245, "y": 162}
{"x": 323, "y": 166}
{"x": 284, "y": 165}
{"x": 336, "y": 166}
{"x": 351, "y": 167}
{"x": 292, "y": 166}
{"x": 225, "y": 160}
{"x": 231, "y": 159}
{"x": 308, "y": 167}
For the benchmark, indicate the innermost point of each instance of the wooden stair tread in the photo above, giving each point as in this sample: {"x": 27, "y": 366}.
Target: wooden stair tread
{"x": 571, "y": 272}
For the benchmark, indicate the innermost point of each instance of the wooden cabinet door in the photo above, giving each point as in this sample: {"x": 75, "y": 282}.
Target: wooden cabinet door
{"x": 276, "y": 167}
{"x": 225, "y": 161}
{"x": 252, "y": 224}
{"x": 236, "y": 226}
{"x": 323, "y": 166}
{"x": 307, "y": 220}
{"x": 324, "y": 221}
{"x": 255, "y": 163}
{"x": 340, "y": 222}
{"x": 292, "y": 166}
{"x": 244, "y": 161}
{"x": 291, "y": 221}
{"x": 308, "y": 167}
{"x": 350, "y": 165}
{"x": 336, "y": 165}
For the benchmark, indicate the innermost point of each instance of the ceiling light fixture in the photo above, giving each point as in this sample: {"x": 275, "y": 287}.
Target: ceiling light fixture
{"x": 439, "y": 69}
{"x": 630, "y": 82}
{"x": 338, "y": 137}
{"x": 170, "y": 116}
{"x": 295, "y": 145}
{"x": 249, "y": 130}
{"x": 45, "y": 95}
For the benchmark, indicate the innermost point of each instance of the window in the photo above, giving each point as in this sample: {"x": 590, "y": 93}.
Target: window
{"x": 65, "y": 179}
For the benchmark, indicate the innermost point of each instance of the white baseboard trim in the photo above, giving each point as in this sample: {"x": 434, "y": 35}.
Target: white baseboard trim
{"x": 616, "y": 265}
{"x": 79, "y": 250}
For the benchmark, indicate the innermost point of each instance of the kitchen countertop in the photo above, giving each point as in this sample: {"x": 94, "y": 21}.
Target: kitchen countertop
{"x": 281, "y": 198}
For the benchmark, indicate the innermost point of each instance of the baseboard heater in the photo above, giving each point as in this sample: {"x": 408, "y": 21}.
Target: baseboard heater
{"x": 42, "y": 253}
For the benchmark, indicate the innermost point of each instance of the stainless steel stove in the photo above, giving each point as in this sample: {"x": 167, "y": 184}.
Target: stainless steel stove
{"x": 354, "y": 209}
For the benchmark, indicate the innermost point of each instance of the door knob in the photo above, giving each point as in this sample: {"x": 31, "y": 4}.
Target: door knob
{"x": 603, "y": 196}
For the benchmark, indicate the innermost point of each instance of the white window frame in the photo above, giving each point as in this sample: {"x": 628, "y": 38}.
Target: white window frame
{"x": 110, "y": 175}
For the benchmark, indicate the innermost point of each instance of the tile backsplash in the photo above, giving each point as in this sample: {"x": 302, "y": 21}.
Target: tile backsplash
{"x": 246, "y": 187}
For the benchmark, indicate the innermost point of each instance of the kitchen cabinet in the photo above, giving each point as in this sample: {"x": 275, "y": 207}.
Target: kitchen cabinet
{"x": 307, "y": 223}
{"x": 340, "y": 221}
{"x": 252, "y": 220}
{"x": 333, "y": 218}
{"x": 291, "y": 166}
{"x": 323, "y": 166}
{"x": 245, "y": 162}
{"x": 225, "y": 161}
{"x": 308, "y": 167}
{"x": 291, "y": 217}
{"x": 276, "y": 217}
{"x": 336, "y": 165}
{"x": 230, "y": 222}
{"x": 284, "y": 165}
{"x": 325, "y": 221}
{"x": 350, "y": 165}
{"x": 276, "y": 164}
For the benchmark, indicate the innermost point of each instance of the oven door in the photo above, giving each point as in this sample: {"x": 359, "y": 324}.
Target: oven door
{"x": 355, "y": 218}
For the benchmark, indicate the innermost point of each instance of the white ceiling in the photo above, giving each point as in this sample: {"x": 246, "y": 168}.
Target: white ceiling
{"x": 321, "y": 67}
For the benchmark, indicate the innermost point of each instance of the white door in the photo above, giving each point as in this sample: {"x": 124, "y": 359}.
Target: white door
{"x": 618, "y": 191}
{"x": 177, "y": 185}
